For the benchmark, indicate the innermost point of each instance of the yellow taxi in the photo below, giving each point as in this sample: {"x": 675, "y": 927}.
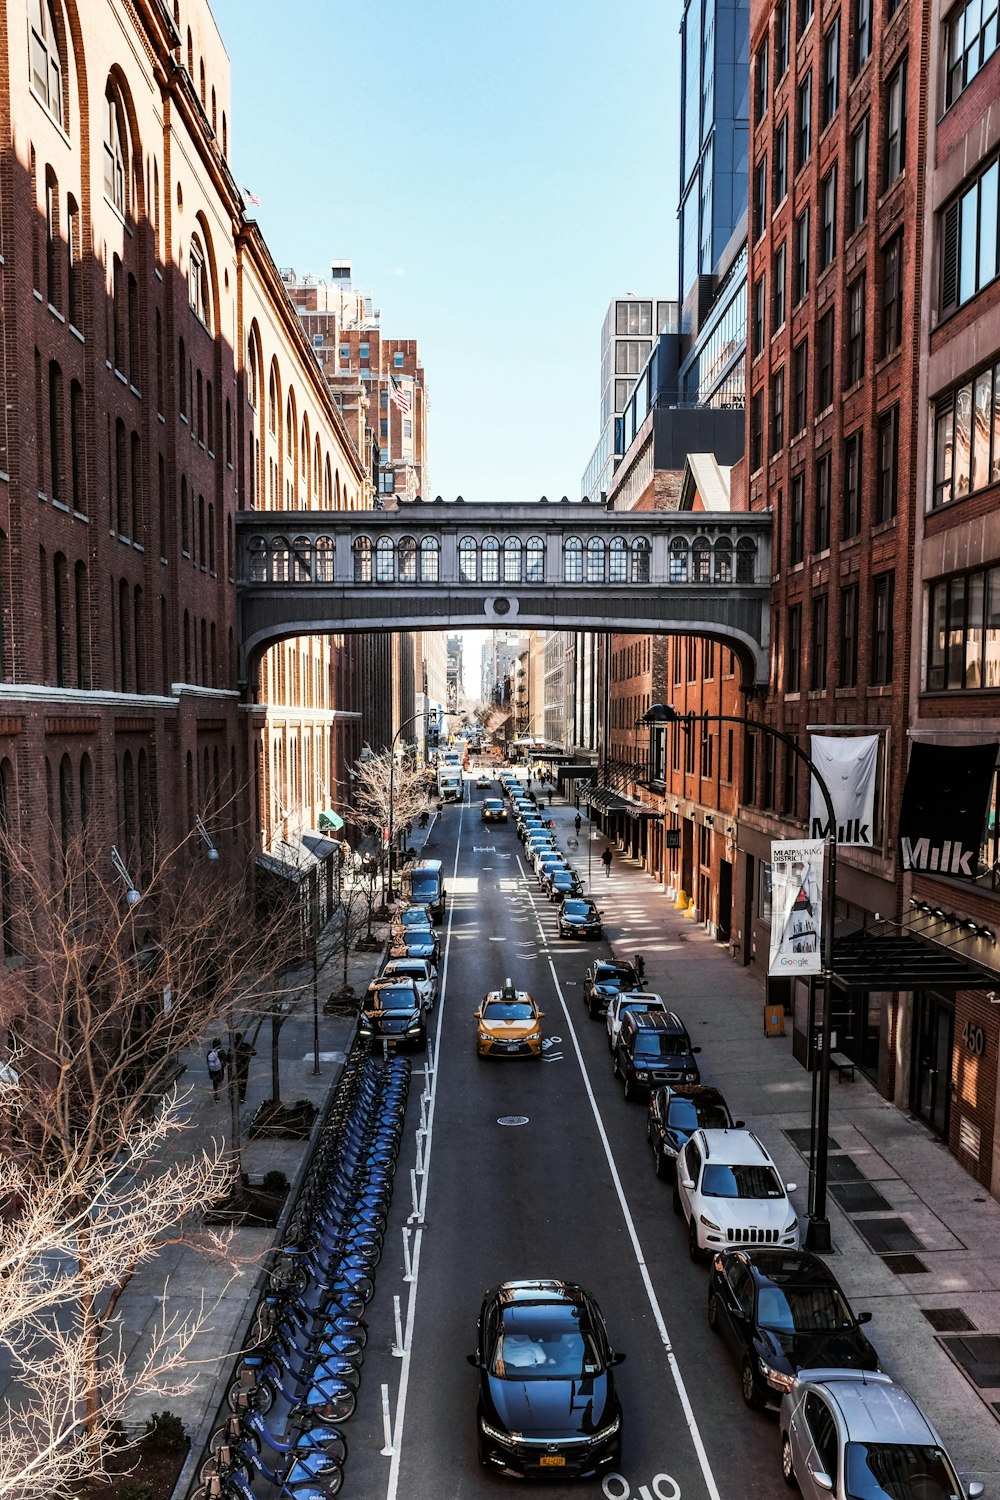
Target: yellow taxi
{"x": 508, "y": 1024}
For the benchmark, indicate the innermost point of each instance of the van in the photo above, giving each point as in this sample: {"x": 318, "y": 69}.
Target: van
{"x": 423, "y": 883}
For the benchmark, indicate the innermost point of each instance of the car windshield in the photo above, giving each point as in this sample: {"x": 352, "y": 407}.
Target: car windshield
{"x": 508, "y": 1010}
{"x": 414, "y": 916}
{"x": 415, "y": 970}
{"x": 390, "y": 997}
{"x": 544, "y": 1342}
{"x": 741, "y": 1182}
{"x": 578, "y": 909}
{"x": 805, "y": 1309}
{"x": 659, "y": 1043}
{"x": 424, "y": 887}
{"x": 687, "y": 1115}
{"x": 898, "y": 1471}
{"x": 613, "y": 974}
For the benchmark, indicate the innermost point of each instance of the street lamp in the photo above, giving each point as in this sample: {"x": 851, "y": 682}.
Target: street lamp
{"x": 132, "y": 894}
{"x": 818, "y": 1228}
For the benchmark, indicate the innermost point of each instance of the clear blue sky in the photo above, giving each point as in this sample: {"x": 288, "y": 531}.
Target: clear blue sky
{"x": 495, "y": 173}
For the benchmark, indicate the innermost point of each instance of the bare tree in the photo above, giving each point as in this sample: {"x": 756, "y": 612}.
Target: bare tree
{"x": 388, "y": 795}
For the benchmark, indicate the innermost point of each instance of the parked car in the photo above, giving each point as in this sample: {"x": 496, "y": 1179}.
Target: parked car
{"x": 782, "y": 1311}
{"x": 559, "y": 881}
{"x": 847, "y": 1433}
{"x": 676, "y": 1111}
{"x": 508, "y": 1024}
{"x": 415, "y": 942}
{"x": 653, "y": 1047}
{"x": 547, "y": 1404}
{"x": 414, "y": 915}
{"x": 421, "y": 972}
{"x": 550, "y": 857}
{"x": 579, "y": 917}
{"x": 730, "y": 1192}
{"x": 494, "y": 810}
{"x": 620, "y": 1006}
{"x": 392, "y": 1013}
{"x": 602, "y": 980}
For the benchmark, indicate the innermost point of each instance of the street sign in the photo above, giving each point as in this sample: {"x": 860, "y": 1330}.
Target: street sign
{"x": 672, "y": 838}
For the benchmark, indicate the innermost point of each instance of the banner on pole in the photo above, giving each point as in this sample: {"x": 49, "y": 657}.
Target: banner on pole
{"x": 796, "y": 907}
{"x": 847, "y": 763}
{"x": 946, "y": 799}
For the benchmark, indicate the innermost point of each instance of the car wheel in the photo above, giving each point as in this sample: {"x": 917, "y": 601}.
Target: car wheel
{"x": 748, "y": 1385}
{"x": 611, "y": 1042}
{"x": 713, "y": 1309}
{"x": 675, "y": 1202}
{"x": 694, "y": 1249}
{"x": 629, "y": 1088}
{"x": 787, "y": 1467}
{"x": 660, "y": 1162}
{"x": 614, "y": 1064}
{"x": 592, "y": 1010}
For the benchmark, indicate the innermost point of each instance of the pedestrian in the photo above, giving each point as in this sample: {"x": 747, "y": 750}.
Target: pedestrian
{"x": 216, "y": 1060}
{"x": 242, "y": 1053}
{"x": 550, "y": 796}
{"x": 577, "y": 821}
{"x": 606, "y": 860}
{"x": 529, "y": 781}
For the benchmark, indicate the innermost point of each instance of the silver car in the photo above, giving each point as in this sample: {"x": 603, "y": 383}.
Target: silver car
{"x": 858, "y": 1436}
{"x": 420, "y": 971}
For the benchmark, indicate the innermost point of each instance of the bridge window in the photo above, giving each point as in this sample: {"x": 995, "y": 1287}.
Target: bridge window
{"x": 724, "y": 560}
{"x": 640, "y": 560}
{"x": 491, "y": 560}
{"x": 595, "y": 560}
{"x": 257, "y": 552}
{"x": 573, "y": 560}
{"x": 324, "y": 559}
{"x": 280, "y": 560}
{"x": 468, "y": 556}
{"x": 430, "y": 560}
{"x": 407, "y": 560}
{"x": 534, "y": 551}
{"x": 385, "y": 560}
{"x": 746, "y": 560}
{"x": 512, "y": 560}
{"x": 302, "y": 547}
{"x": 362, "y": 550}
{"x": 618, "y": 560}
{"x": 701, "y": 560}
{"x": 679, "y": 560}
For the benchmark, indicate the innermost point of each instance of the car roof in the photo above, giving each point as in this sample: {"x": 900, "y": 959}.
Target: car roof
{"x": 785, "y": 1267}
{"x": 403, "y": 965}
{"x": 874, "y": 1410}
{"x": 656, "y": 1020}
{"x": 541, "y": 1291}
{"x": 734, "y": 1148}
{"x": 698, "y": 1093}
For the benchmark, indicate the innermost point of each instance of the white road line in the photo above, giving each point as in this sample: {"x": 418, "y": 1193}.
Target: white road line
{"x": 678, "y": 1379}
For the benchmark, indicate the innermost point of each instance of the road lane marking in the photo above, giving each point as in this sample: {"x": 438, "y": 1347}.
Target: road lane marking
{"x": 675, "y": 1370}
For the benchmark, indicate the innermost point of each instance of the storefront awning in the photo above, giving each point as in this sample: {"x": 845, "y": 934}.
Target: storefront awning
{"x": 287, "y": 861}
{"x": 902, "y": 962}
{"x": 606, "y": 800}
{"x": 318, "y": 845}
{"x": 330, "y": 821}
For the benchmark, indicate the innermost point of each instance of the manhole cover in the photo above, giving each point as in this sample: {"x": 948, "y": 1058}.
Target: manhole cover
{"x": 800, "y": 1140}
{"x": 904, "y": 1265}
{"x": 979, "y": 1356}
{"x": 859, "y": 1197}
{"x": 513, "y": 1120}
{"x": 948, "y": 1319}
{"x": 843, "y": 1169}
{"x": 893, "y": 1236}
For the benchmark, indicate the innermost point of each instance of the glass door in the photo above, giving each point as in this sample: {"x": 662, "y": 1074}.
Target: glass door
{"x": 930, "y": 1090}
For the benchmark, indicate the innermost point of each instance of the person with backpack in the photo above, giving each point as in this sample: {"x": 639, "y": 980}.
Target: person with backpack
{"x": 216, "y": 1060}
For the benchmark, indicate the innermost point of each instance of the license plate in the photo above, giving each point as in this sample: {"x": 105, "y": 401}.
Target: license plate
{"x": 552, "y": 1461}
{"x": 513, "y": 1046}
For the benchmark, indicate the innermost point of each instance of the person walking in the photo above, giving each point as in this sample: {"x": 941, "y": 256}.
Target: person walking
{"x": 577, "y": 821}
{"x": 606, "y": 861}
{"x": 216, "y": 1061}
{"x": 242, "y": 1053}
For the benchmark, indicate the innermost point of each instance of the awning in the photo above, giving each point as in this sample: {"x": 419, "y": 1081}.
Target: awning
{"x": 330, "y": 821}
{"x": 317, "y": 845}
{"x": 287, "y": 861}
{"x": 902, "y": 962}
{"x": 606, "y": 800}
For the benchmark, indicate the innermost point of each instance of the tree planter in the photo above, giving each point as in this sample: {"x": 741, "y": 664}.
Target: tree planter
{"x": 147, "y": 1471}
{"x": 291, "y": 1122}
{"x": 255, "y": 1207}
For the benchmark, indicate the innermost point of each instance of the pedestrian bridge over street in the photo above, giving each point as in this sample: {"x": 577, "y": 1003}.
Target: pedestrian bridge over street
{"x": 568, "y": 565}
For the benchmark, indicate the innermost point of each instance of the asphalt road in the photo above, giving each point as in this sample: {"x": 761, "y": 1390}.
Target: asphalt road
{"x": 568, "y": 1192}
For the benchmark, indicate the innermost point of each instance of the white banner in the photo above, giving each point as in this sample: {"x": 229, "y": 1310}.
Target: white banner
{"x": 796, "y": 907}
{"x": 847, "y": 764}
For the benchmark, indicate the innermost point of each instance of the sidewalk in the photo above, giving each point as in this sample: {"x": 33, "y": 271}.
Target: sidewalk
{"x": 917, "y": 1240}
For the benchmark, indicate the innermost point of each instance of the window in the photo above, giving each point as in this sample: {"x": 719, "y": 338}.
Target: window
{"x": 806, "y": 9}
{"x": 851, "y": 511}
{"x": 862, "y": 34}
{"x": 793, "y": 650}
{"x": 198, "y": 299}
{"x": 74, "y": 256}
{"x": 817, "y": 644}
{"x": 756, "y": 431}
{"x": 397, "y": 360}
{"x": 821, "y": 504}
{"x": 797, "y": 527}
{"x": 848, "y": 636}
{"x": 46, "y": 63}
{"x": 801, "y": 255}
{"x": 56, "y": 488}
{"x": 760, "y": 83}
{"x": 970, "y": 38}
{"x": 824, "y": 362}
{"x": 114, "y": 154}
{"x": 780, "y": 183}
{"x": 828, "y": 222}
{"x": 831, "y": 73}
{"x": 777, "y": 412}
{"x": 885, "y": 479}
{"x": 778, "y": 286}
{"x": 963, "y": 632}
{"x": 858, "y": 205}
{"x": 780, "y": 40}
{"x": 855, "y": 354}
{"x": 52, "y": 258}
{"x": 967, "y": 438}
{"x": 759, "y": 198}
{"x": 76, "y": 449}
{"x": 895, "y": 125}
{"x": 882, "y": 629}
{"x": 759, "y": 328}
{"x": 363, "y": 353}
{"x": 892, "y": 295}
{"x": 969, "y": 257}
{"x": 803, "y": 118}
{"x": 800, "y": 377}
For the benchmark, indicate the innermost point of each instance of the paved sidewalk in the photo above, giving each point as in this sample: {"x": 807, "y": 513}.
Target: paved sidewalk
{"x": 897, "y": 1185}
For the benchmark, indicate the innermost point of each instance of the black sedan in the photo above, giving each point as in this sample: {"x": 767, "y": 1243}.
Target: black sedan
{"x": 579, "y": 918}
{"x": 676, "y": 1111}
{"x": 392, "y": 1013}
{"x": 605, "y": 980}
{"x": 558, "y": 882}
{"x": 547, "y": 1402}
{"x": 783, "y": 1311}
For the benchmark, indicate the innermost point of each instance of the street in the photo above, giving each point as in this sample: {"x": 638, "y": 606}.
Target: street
{"x": 539, "y": 1168}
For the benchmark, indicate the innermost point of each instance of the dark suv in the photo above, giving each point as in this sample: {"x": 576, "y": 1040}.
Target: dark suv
{"x": 653, "y": 1048}
{"x": 603, "y": 981}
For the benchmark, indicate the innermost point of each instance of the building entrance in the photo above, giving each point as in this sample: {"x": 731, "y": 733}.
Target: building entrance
{"x": 933, "y": 1038}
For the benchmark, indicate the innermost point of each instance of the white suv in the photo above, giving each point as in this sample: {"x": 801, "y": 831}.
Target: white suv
{"x": 730, "y": 1192}
{"x": 628, "y": 1000}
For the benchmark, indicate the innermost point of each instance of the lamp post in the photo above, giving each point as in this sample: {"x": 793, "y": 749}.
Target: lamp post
{"x": 818, "y": 1228}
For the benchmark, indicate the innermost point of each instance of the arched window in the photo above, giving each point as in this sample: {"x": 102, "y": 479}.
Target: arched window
{"x": 701, "y": 560}
{"x": 491, "y": 560}
{"x": 115, "y": 137}
{"x": 253, "y": 370}
{"x": 723, "y": 560}
{"x": 407, "y": 560}
{"x": 327, "y": 484}
{"x": 6, "y": 879}
{"x": 512, "y": 559}
{"x": 225, "y": 135}
{"x": 534, "y": 560}
{"x": 46, "y": 62}
{"x": 280, "y": 560}
{"x": 302, "y": 550}
{"x": 317, "y": 468}
{"x": 362, "y": 550}
{"x": 430, "y": 560}
{"x": 618, "y": 560}
{"x": 324, "y": 559}
{"x": 385, "y": 560}
{"x": 573, "y": 560}
{"x": 201, "y": 80}
{"x": 257, "y": 559}
{"x": 198, "y": 296}
{"x": 215, "y": 114}
{"x": 595, "y": 560}
{"x": 746, "y": 560}
{"x": 304, "y": 459}
{"x": 272, "y": 400}
{"x": 640, "y": 560}
{"x": 679, "y": 560}
{"x": 468, "y": 557}
{"x": 65, "y": 810}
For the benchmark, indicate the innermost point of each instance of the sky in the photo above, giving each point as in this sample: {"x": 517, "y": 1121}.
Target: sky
{"x": 496, "y": 173}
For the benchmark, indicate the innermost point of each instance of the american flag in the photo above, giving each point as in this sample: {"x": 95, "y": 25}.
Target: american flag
{"x": 400, "y": 396}
{"x": 251, "y": 198}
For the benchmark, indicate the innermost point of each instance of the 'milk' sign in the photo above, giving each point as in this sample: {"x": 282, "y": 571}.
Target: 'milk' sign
{"x": 942, "y": 819}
